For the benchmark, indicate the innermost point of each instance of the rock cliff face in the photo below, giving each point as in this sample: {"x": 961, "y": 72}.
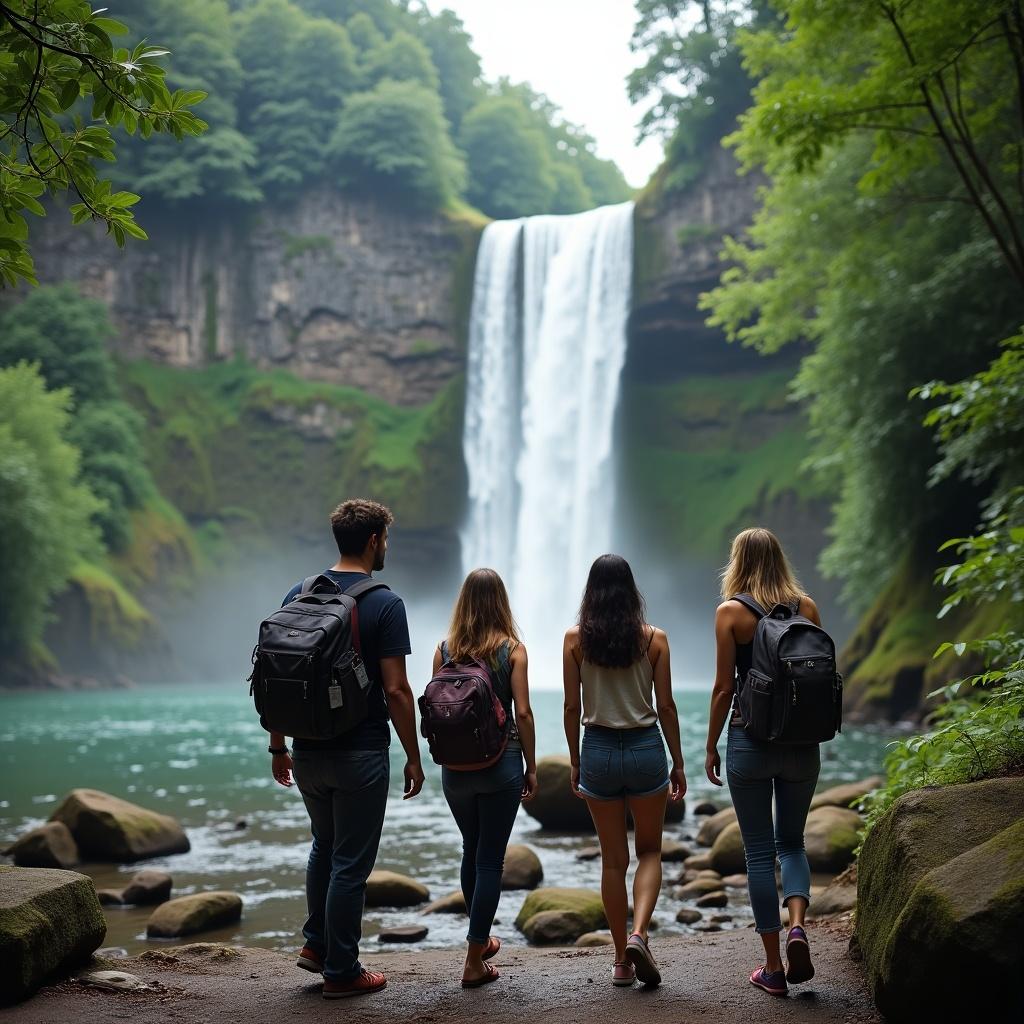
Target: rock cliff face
{"x": 332, "y": 288}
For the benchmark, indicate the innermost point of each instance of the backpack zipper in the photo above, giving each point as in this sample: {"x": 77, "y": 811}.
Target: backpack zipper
{"x": 794, "y": 693}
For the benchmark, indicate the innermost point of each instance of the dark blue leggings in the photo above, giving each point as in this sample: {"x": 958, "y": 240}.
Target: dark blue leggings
{"x": 484, "y": 804}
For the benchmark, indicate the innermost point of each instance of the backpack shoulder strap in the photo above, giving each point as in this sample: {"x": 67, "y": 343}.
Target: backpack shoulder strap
{"x": 364, "y": 587}
{"x": 750, "y": 604}
{"x": 356, "y": 591}
{"x": 443, "y": 648}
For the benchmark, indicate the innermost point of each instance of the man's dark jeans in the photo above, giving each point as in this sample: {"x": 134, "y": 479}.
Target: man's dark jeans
{"x": 346, "y": 793}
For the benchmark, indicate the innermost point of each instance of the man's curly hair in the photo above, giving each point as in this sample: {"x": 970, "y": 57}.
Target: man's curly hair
{"x": 355, "y": 521}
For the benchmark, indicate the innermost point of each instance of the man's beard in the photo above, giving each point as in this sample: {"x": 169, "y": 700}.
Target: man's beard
{"x": 378, "y": 562}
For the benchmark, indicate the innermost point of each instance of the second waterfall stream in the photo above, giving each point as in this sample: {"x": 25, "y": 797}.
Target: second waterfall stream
{"x": 547, "y": 342}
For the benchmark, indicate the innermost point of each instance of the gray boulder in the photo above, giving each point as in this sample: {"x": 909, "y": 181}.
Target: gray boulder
{"x": 412, "y": 933}
{"x": 391, "y": 889}
{"x": 830, "y": 837}
{"x": 188, "y": 915}
{"x": 523, "y": 869}
{"x": 727, "y": 855}
{"x": 555, "y": 805}
{"x": 940, "y": 881}
{"x": 711, "y": 827}
{"x": 584, "y": 902}
{"x": 50, "y": 921}
{"x": 714, "y": 899}
{"x": 844, "y": 795}
{"x": 50, "y": 846}
{"x": 453, "y": 903}
{"x": 108, "y": 828}
{"x": 554, "y": 927}
{"x": 148, "y": 888}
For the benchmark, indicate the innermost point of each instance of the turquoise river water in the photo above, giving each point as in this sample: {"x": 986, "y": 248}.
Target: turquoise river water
{"x": 198, "y": 753}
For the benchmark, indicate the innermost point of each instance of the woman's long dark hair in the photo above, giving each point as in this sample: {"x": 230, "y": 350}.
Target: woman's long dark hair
{"x": 612, "y": 615}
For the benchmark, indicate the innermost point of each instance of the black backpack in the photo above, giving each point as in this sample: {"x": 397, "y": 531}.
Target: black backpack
{"x": 308, "y": 679}
{"x": 792, "y": 693}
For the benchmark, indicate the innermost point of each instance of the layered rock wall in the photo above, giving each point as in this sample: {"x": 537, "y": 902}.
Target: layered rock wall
{"x": 332, "y": 288}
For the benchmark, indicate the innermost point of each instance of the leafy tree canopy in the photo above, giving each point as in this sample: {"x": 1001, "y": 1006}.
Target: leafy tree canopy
{"x": 509, "y": 167}
{"x": 890, "y": 254}
{"x": 64, "y": 87}
{"x": 394, "y": 139}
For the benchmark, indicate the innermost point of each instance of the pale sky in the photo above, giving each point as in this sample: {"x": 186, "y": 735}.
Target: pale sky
{"x": 577, "y": 53}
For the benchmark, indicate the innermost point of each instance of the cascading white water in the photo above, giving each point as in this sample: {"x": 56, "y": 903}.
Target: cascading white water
{"x": 547, "y": 343}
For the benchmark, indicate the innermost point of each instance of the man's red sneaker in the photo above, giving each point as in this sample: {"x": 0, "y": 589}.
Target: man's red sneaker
{"x": 362, "y": 985}
{"x": 309, "y": 961}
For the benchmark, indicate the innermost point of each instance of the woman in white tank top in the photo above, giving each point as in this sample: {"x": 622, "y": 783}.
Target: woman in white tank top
{"x": 617, "y": 678}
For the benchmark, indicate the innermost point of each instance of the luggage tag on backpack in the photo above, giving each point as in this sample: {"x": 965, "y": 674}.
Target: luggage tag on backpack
{"x": 334, "y": 695}
{"x": 360, "y": 673}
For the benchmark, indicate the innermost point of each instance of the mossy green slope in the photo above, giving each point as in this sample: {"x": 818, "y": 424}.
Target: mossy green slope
{"x": 706, "y": 451}
{"x": 233, "y": 441}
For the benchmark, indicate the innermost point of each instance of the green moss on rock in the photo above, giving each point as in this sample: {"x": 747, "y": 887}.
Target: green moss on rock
{"x": 50, "y": 920}
{"x": 965, "y": 912}
{"x": 922, "y": 831}
{"x": 584, "y": 902}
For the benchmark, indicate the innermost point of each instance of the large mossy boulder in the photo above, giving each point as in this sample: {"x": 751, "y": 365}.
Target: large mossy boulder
{"x": 50, "y": 921}
{"x": 108, "y": 828}
{"x": 830, "y": 837}
{"x": 555, "y": 928}
{"x": 584, "y": 902}
{"x": 189, "y": 915}
{"x": 940, "y": 885}
{"x": 523, "y": 869}
{"x": 391, "y": 889}
{"x": 50, "y": 846}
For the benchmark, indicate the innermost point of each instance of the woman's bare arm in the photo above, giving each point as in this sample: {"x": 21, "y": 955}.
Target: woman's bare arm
{"x": 724, "y": 688}
{"x": 668, "y": 715}
{"x": 524, "y": 719}
{"x": 571, "y": 708}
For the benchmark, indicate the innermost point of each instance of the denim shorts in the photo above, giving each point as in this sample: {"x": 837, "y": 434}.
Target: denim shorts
{"x": 616, "y": 763}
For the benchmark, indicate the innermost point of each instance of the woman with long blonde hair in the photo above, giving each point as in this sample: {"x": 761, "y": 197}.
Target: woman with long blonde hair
{"x": 485, "y": 801}
{"x": 758, "y": 569}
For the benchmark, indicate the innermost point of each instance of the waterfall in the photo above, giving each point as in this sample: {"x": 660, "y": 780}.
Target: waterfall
{"x": 547, "y": 342}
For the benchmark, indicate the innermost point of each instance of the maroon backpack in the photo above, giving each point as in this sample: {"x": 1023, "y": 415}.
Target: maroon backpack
{"x": 462, "y": 717}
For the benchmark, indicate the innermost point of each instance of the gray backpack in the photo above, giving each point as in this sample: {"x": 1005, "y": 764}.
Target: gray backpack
{"x": 793, "y": 692}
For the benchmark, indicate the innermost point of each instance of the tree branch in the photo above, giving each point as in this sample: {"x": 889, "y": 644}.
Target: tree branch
{"x": 1004, "y": 246}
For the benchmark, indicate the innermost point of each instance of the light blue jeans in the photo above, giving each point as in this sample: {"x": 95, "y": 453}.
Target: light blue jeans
{"x": 756, "y": 771}
{"x": 346, "y": 793}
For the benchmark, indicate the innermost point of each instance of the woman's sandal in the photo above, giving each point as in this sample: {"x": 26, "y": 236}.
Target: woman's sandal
{"x": 492, "y": 948}
{"x": 491, "y": 975}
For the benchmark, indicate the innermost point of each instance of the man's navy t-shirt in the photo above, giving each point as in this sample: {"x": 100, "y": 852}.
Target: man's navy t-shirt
{"x": 383, "y": 633}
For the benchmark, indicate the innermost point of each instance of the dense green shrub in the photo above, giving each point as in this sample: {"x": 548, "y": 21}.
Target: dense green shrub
{"x": 66, "y": 337}
{"x": 46, "y": 510}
